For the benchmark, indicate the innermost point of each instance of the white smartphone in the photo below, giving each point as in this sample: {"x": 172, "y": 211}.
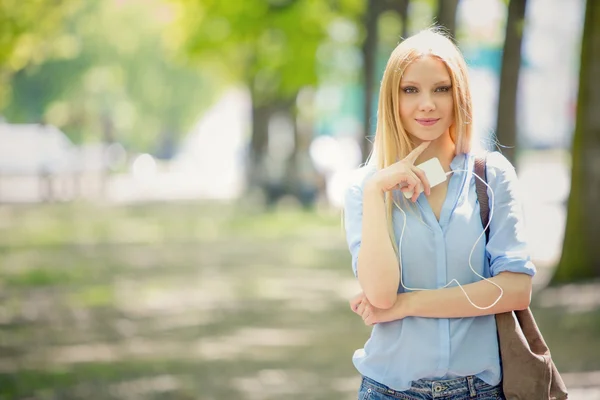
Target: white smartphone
{"x": 434, "y": 171}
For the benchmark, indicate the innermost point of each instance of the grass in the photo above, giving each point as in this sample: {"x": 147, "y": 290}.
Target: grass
{"x": 193, "y": 301}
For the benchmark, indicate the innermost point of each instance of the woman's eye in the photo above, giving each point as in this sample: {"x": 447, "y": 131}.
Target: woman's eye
{"x": 443, "y": 89}
{"x": 409, "y": 90}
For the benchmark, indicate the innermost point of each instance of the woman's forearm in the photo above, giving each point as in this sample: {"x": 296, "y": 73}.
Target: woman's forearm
{"x": 452, "y": 302}
{"x": 378, "y": 270}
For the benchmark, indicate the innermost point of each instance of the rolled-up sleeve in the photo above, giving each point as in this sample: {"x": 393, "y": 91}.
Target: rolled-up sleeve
{"x": 353, "y": 212}
{"x": 507, "y": 245}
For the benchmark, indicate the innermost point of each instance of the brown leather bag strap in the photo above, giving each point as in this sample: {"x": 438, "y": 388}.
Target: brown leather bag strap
{"x": 528, "y": 371}
{"x": 482, "y": 196}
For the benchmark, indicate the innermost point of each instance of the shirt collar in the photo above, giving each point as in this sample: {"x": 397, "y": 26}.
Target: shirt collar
{"x": 458, "y": 162}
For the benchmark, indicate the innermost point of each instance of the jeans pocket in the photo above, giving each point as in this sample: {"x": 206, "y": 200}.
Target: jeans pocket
{"x": 365, "y": 392}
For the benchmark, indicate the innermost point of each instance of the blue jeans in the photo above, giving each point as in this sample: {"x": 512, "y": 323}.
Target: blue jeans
{"x": 468, "y": 388}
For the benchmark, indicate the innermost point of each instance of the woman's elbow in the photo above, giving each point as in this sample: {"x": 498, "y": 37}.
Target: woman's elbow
{"x": 517, "y": 288}
{"x": 523, "y": 302}
{"x": 524, "y": 295}
{"x": 383, "y": 301}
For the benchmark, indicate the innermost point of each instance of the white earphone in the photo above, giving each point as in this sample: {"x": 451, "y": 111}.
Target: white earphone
{"x": 470, "y": 255}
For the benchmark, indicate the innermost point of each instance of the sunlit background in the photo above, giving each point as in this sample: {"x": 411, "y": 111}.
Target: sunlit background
{"x": 172, "y": 175}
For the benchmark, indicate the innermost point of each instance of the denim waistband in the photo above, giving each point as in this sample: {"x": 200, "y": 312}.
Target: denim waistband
{"x": 469, "y": 385}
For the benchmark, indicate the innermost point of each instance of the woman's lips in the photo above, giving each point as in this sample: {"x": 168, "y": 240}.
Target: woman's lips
{"x": 427, "y": 121}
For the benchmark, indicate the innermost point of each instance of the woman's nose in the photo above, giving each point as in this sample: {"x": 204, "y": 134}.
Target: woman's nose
{"x": 426, "y": 103}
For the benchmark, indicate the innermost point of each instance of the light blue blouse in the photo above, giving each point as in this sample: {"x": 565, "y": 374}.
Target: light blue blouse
{"x": 433, "y": 253}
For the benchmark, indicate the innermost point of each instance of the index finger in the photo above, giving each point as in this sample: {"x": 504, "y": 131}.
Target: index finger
{"x": 413, "y": 155}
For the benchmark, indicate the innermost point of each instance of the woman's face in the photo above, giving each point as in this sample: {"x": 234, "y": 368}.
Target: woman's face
{"x": 426, "y": 101}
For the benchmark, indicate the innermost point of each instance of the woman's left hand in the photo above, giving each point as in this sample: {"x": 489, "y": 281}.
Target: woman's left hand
{"x": 370, "y": 315}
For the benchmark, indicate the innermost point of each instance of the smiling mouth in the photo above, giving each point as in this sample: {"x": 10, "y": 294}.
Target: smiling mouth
{"x": 427, "y": 121}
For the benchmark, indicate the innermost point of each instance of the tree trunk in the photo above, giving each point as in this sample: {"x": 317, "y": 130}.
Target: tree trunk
{"x": 400, "y": 7}
{"x": 446, "y": 15}
{"x": 292, "y": 178}
{"x": 108, "y": 138}
{"x": 108, "y": 128}
{"x": 506, "y": 125}
{"x": 403, "y": 11}
{"x": 259, "y": 142}
{"x": 369, "y": 50}
{"x": 301, "y": 174}
{"x": 581, "y": 253}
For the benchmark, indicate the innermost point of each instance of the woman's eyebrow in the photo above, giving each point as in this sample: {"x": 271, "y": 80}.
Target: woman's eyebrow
{"x": 445, "y": 81}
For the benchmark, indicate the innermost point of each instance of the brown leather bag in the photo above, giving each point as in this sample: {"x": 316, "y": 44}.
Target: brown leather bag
{"x": 527, "y": 367}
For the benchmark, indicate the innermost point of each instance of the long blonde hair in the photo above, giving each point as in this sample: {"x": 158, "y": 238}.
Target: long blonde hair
{"x": 392, "y": 142}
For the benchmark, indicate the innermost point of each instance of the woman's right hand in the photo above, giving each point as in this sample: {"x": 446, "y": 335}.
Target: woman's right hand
{"x": 404, "y": 175}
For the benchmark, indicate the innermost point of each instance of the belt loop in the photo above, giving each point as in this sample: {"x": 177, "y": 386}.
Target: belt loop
{"x": 471, "y": 385}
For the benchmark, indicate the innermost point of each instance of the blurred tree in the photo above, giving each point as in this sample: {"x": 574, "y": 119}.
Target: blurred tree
{"x": 369, "y": 50}
{"x": 446, "y": 15}
{"x": 506, "y": 124}
{"x": 371, "y": 21}
{"x": 26, "y": 30}
{"x": 581, "y": 254}
{"x": 113, "y": 76}
{"x": 269, "y": 46}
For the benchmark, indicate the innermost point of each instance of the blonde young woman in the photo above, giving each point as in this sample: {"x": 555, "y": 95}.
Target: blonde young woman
{"x": 430, "y": 283}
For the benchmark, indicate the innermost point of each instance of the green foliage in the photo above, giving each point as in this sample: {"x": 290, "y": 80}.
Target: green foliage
{"x": 114, "y": 78}
{"x": 271, "y": 46}
{"x": 25, "y": 28}
{"x": 28, "y": 34}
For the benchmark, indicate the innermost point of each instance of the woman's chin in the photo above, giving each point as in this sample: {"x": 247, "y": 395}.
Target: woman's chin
{"x": 420, "y": 137}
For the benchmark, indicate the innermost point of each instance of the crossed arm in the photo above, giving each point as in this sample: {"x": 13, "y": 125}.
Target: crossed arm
{"x": 378, "y": 276}
{"x": 451, "y": 302}
{"x": 376, "y": 264}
